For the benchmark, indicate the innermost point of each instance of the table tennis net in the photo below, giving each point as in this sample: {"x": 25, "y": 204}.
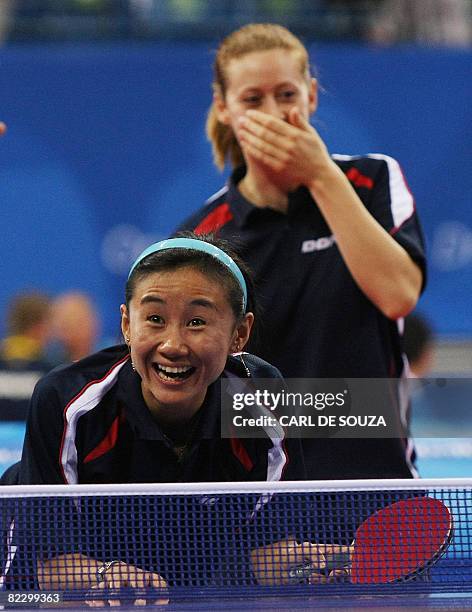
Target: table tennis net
{"x": 204, "y": 540}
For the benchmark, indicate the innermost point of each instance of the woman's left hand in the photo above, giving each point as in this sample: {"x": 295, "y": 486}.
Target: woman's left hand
{"x": 292, "y": 148}
{"x": 124, "y": 576}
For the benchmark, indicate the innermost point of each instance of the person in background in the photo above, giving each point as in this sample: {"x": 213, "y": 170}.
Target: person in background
{"x": 333, "y": 240}
{"x": 28, "y": 323}
{"x": 426, "y": 22}
{"x": 75, "y": 326}
{"x": 23, "y": 358}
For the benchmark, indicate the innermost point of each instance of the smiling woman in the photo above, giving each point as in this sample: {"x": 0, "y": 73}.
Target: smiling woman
{"x": 150, "y": 410}
{"x": 185, "y": 312}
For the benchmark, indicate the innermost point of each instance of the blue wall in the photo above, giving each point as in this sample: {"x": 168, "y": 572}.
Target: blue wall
{"x": 106, "y": 152}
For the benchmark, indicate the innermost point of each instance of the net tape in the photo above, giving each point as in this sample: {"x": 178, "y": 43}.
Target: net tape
{"x": 219, "y": 540}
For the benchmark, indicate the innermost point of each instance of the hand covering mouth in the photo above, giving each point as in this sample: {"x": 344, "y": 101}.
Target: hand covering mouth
{"x": 173, "y": 373}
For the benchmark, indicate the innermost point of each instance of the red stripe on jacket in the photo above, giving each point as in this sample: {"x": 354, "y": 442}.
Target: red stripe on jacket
{"x": 216, "y": 219}
{"x": 108, "y": 442}
{"x": 358, "y": 179}
{"x": 74, "y": 399}
{"x": 241, "y": 454}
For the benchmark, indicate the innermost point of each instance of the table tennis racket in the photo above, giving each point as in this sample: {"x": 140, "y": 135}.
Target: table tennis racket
{"x": 397, "y": 543}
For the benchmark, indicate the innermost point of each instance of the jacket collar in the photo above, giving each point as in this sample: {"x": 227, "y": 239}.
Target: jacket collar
{"x": 243, "y": 210}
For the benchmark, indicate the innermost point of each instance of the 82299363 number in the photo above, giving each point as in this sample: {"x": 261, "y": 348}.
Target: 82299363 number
{"x": 27, "y": 598}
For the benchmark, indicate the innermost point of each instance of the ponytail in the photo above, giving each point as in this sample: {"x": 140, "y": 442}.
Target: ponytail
{"x": 223, "y": 141}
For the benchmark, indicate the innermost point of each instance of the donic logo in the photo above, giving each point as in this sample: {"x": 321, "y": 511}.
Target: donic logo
{"x": 320, "y": 244}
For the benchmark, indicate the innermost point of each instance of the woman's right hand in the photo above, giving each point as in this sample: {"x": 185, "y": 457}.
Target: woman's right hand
{"x": 292, "y": 148}
{"x": 3, "y": 128}
{"x": 123, "y": 576}
{"x": 277, "y": 564}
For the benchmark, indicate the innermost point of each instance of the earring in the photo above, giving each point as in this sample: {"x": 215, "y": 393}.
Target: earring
{"x": 248, "y": 373}
{"x": 127, "y": 341}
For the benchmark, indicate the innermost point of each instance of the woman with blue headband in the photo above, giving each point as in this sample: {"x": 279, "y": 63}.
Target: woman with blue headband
{"x": 150, "y": 410}
{"x": 187, "y": 315}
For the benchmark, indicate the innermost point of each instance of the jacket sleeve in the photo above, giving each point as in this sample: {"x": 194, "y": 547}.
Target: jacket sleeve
{"x": 42, "y": 527}
{"x": 393, "y": 206}
{"x": 40, "y": 461}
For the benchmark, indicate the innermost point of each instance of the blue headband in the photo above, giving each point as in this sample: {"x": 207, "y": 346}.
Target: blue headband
{"x": 196, "y": 245}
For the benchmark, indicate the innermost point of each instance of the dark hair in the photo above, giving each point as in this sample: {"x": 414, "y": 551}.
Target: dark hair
{"x": 27, "y": 310}
{"x": 174, "y": 259}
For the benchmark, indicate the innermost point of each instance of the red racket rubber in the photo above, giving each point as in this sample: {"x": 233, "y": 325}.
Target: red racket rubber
{"x": 401, "y": 541}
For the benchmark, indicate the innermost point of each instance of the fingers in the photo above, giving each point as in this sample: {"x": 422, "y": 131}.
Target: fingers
{"x": 311, "y": 558}
{"x": 266, "y": 128}
{"x": 263, "y": 141}
{"x": 316, "y": 578}
{"x": 289, "y": 562}
{"x": 313, "y": 553}
{"x": 96, "y": 600}
{"x": 157, "y": 582}
{"x": 296, "y": 119}
{"x": 116, "y": 580}
{"x": 292, "y": 146}
{"x": 258, "y": 137}
{"x": 91, "y": 601}
{"x": 317, "y": 557}
{"x": 114, "y": 584}
{"x": 323, "y": 555}
{"x": 141, "y": 581}
{"x": 335, "y": 555}
{"x": 265, "y": 124}
{"x": 333, "y": 549}
{"x": 267, "y": 155}
{"x": 3, "y": 128}
{"x": 339, "y": 575}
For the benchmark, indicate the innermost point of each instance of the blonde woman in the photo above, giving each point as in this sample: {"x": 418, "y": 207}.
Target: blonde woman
{"x": 333, "y": 240}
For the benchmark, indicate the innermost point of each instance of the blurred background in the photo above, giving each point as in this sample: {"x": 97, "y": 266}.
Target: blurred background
{"x": 105, "y": 102}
